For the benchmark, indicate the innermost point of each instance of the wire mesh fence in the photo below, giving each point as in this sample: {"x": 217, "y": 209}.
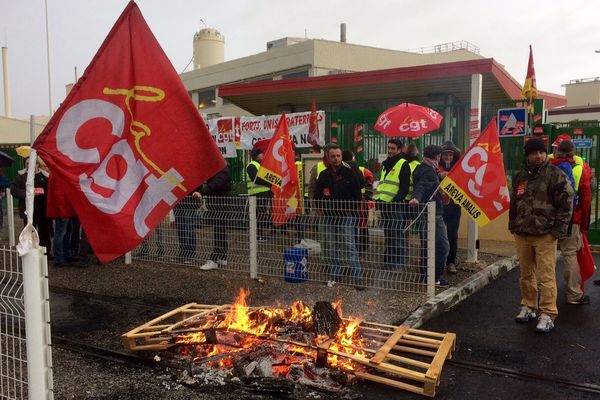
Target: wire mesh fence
{"x": 365, "y": 244}
{"x": 13, "y": 355}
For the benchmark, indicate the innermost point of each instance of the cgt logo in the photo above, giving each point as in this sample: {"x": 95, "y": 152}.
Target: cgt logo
{"x": 484, "y": 175}
{"x": 160, "y": 184}
{"x": 413, "y": 126}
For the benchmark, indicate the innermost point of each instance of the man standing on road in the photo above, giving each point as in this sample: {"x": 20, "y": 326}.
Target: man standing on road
{"x": 580, "y": 176}
{"x": 338, "y": 196}
{"x": 540, "y": 212}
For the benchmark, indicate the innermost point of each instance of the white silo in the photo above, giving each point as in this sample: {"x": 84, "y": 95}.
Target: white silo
{"x": 209, "y": 48}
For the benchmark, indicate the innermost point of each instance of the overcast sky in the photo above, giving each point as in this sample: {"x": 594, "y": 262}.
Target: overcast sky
{"x": 564, "y": 34}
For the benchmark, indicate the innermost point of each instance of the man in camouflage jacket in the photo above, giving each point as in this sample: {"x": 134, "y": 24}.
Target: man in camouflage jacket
{"x": 540, "y": 212}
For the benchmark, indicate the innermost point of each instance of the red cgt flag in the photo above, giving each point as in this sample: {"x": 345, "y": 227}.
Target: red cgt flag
{"x": 478, "y": 181}
{"x": 530, "y": 87}
{"x": 278, "y": 168}
{"x": 128, "y": 141}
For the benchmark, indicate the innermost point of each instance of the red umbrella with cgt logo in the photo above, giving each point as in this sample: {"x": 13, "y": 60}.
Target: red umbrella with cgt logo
{"x": 408, "y": 120}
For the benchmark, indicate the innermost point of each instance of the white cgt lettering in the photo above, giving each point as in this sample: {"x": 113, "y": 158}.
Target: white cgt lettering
{"x": 135, "y": 171}
{"x": 75, "y": 117}
{"x": 123, "y": 188}
{"x": 475, "y": 185}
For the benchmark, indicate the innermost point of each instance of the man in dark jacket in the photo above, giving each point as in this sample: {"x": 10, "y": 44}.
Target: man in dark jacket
{"x": 426, "y": 181}
{"x": 450, "y": 156}
{"x": 217, "y": 192}
{"x": 338, "y": 197}
{"x": 541, "y": 202}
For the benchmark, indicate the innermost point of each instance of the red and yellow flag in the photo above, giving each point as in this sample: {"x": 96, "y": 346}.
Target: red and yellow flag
{"x": 313, "y": 125}
{"x": 279, "y": 168}
{"x": 478, "y": 181}
{"x": 529, "y": 87}
{"x": 127, "y": 142}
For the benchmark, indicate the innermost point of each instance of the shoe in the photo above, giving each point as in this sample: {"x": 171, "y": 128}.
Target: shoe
{"x": 525, "y": 315}
{"x": 222, "y": 263}
{"x": 360, "y": 288}
{"x": 330, "y": 283}
{"x": 545, "y": 324}
{"x": 62, "y": 264}
{"x": 441, "y": 283}
{"x": 584, "y": 299}
{"x": 451, "y": 268}
{"x": 209, "y": 265}
{"x": 597, "y": 282}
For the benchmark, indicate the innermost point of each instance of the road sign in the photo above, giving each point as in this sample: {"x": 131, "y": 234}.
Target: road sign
{"x": 512, "y": 121}
{"x": 585, "y": 143}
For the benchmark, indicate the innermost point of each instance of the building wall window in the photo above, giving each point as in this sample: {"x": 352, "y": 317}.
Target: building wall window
{"x": 299, "y": 74}
{"x": 206, "y": 98}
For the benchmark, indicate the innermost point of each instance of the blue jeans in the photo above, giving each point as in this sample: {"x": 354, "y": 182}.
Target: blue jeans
{"x": 393, "y": 220}
{"x": 66, "y": 239}
{"x": 441, "y": 248}
{"x": 340, "y": 232}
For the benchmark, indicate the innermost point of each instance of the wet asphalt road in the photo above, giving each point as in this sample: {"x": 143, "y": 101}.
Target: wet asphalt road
{"x": 561, "y": 365}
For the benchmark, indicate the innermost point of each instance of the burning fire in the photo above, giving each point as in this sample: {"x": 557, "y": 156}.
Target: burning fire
{"x": 274, "y": 331}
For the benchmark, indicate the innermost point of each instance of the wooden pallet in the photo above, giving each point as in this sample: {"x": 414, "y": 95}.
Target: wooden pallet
{"x": 398, "y": 356}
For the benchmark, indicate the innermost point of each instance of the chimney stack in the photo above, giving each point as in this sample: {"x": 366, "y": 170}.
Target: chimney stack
{"x": 343, "y": 32}
{"x": 6, "y": 83}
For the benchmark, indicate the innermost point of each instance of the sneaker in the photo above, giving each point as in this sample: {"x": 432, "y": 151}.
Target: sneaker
{"x": 525, "y": 315}
{"x": 584, "y": 299}
{"x": 451, "y": 267}
{"x": 222, "y": 263}
{"x": 210, "y": 264}
{"x": 442, "y": 283}
{"x": 597, "y": 282}
{"x": 330, "y": 283}
{"x": 545, "y": 324}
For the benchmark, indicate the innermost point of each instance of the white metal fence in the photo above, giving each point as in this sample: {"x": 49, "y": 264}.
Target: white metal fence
{"x": 13, "y": 359}
{"x": 377, "y": 245}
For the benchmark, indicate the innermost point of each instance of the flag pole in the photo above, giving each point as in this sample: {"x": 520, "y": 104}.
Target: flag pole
{"x": 48, "y": 58}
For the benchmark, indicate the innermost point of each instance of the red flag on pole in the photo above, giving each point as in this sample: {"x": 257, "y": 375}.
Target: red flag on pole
{"x": 127, "y": 141}
{"x": 478, "y": 181}
{"x": 278, "y": 168}
{"x": 529, "y": 87}
{"x": 313, "y": 125}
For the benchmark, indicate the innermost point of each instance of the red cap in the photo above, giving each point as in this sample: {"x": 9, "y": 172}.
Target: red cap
{"x": 560, "y": 138}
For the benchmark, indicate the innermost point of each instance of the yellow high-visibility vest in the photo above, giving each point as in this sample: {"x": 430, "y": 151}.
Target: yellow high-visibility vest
{"x": 253, "y": 189}
{"x": 411, "y": 188}
{"x": 389, "y": 184}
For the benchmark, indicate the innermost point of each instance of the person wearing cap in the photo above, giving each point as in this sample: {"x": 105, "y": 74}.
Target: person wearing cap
{"x": 262, "y": 190}
{"x": 580, "y": 176}
{"x": 450, "y": 156}
{"x": 540, "y": 212}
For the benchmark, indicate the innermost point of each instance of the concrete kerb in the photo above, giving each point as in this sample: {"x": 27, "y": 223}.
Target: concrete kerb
{"x": 455, "y": 294}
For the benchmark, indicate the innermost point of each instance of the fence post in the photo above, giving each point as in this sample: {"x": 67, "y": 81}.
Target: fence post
{"x": 37, "y": 328}
{"x": 430, "y": 249}
{"x": 252, "y": 237}
{"x": 10, "y": 214}
{"x": 128, "y": 258}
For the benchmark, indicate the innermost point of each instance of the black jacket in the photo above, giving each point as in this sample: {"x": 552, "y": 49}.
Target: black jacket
{"x": 426, "y": 181}
{"x": 218, "y": 185}
{"x": 342, "y": 184}
{"x": 18, "y": 189}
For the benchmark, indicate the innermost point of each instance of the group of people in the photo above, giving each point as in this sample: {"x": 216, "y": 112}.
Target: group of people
{"x": 549, "y": 210}
{"x": 340, "y": 194}
{"x": 54, "y": 217}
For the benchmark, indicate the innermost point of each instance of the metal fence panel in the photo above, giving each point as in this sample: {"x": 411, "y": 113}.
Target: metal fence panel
{"x": 13, "y": 359}
{"x": 353, "y": 243}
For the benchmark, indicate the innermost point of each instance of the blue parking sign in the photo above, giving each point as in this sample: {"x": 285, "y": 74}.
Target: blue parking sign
{"x": 512, "y": 121}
